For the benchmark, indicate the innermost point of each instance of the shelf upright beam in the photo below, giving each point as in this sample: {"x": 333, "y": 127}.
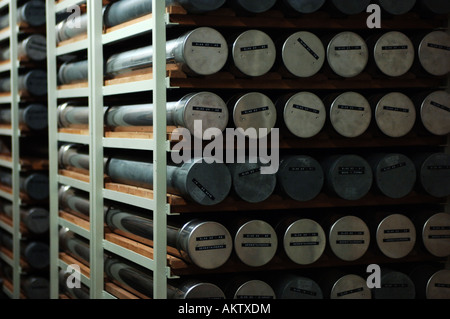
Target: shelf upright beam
{"x": 52, "y": 147}
{"x": 95, "y": 72}
{"x": 160, "y": 150}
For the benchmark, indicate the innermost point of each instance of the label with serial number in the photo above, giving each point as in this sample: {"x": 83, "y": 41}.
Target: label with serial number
{"x": 206, "y": 45}
{"x": 207, "y": 109}
{"x": 351, "y": 107}
{"x": 348, "y": 48}
{"x": 255, "y": 47}
{"x": 442, "y": 107}
{"x": 357, "y": 170}
{"x": 438, "y": 46}
{"x": 395, "y": 109}
{"x": 303, "y": 43}
{"x": 394, "y": 47}
{"x": 305, "y": 108}
{"x": 391, "y": 167}
{"x": 255, "y": 110}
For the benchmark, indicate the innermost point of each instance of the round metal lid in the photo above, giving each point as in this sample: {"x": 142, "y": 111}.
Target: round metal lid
{"x": 299, "y": 287}
{"x": 38, "y": 220}
{"x": 350, "y": 114}
{"x": 254, "y": 289}
{"x": 397, "y": 7}
{"x": 435, "y": 175}
{"x": 301, "y": 177}
{"x": 394, "y": 53}
{"x": 351, "y": 7}
{"x": 33, "y": 12}
{"x": 204, "y": 291}
{"x": 249, "y": 183}
{"x": 207, "y": 107}
{"x": 303, "y": 54}
{"x": 395, "y": 114}
{"x": 438, "y": 285}
{"x": 207, "y": 183}
{"x": 205, "y": 51}
{"x": 36, "y": 186}
{"x": 396, "y": 236}
{"x": 435, "y": 113}
{"x": 35, "y": 116}
{"x": 350, "y": 176}
{"x": 36, "y": 254}
{"x": 36, "y": 47}
{"x": 254, "y": 52}
{"x": 305, "y": 6}
{"x": 395, "y": 175}
{"x": 255, "y": 110}
{"x": 36, "y": 82}
{"x": 349, "y": 238}
{"x": 256, "y": 6}
{"x": 350, "y": 287}
{"x": 304, "y": 114}
{"x": 37, "y": 288}
{"x": 304, "y": 241}
{"x": 437, "y": 6}
{"x": 434, "y": 53}
{"x": 209, "y": 245}
{"x": 255, "y": 243}
{"x": 436, "y": 234}
{"x": 395, "y": 285}
{"x": 347, "y": 54}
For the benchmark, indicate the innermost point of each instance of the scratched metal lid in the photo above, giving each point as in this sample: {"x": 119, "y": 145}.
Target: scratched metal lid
{"x": 350, "y": 114}
{"x": 255, "y": 110}
{"x": 254, "y": 289}
{"x": 438, "y": 286}
{"x": 395, "y": 114}
{"x": 351, "y": 7}
{"x": 255, "y": 243}
{"x": 304, "y": 114}
{"x": 347, "y": 54}
{"x": 305, "y": 6}
{"x": 394, "y": 53}
{"x": 436, "y": 234}
{"x": 350, "y": 287}
{"x": 304, "y": 241}
{"x": 395, "y": 285}
{"x": 254, "y": 53}
{"x": 434, "y": 175}
{"x": 349, "y": 238}
{"x": 434, "y": 53}
{"x": 303, "y": 54}
{"x": 299, "y": 287}
{"x": 395, "y": 175}
{"x": 435, "y": 113}
{"x": 396, "y": 236}
{"x": 397, "y": 7}
{"x": 256, "y": 6}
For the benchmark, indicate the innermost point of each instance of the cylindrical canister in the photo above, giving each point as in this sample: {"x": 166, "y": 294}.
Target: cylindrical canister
{"x": 31, "y": 13}
{"x": 73, "y": 155}
{"x": 35, "y": 184}
{"x": 255, "y": 242}
{"x": 251, "y": 6}
{"x": 348, "y": 176}
{"x": 347, "y": 53}
{"x": 304, "y": 239}
{"x": 300, "y": 177}
{"x": 69, "y": 114}
{"x": 248, "y": 183}
{"x": 431, "y": 282}
{"x": 70, "y": 28}
{"x": 253, "y": 52}
{"x": 293, "y": 286}
{"x": 74, "y": 245}
{"x": 341, "y": 285}
{"x": 436, "y": 6}
{"x": 34, "y": 82}
{"x": 243, "y": 288}
{"x": 304, "y": 113}
{"x": 434, "y": 53}
{"x": 435, "y": 234}
{"x": 395, "y": 236}
{"x": 34, "y": 48}
{"x": 202, "y": 51}
{"x": 394, "y": 285}
{"x": 349, "y": 238}
{"x": 394, "y": 113}
{"x": 34, "y": 116}
{"x": 394, "y": 174}
{"x": 303, "y": 54}
{"x": 73, "y": 72}
{"x": 350, "y": 113}
{"x": 304, "y": 6}
{"x": 349, "y": 7}
{"x": 36, "y": 219}
{"x": 74, "y": 201}
{"x": 435, "y": 112}
{"x": 81, "y": 292}
{"x": 36, "y": 287}
{"x": 253, "y": 110}
{"x": 433, "y": 171}
{"x": 396, "y": 7}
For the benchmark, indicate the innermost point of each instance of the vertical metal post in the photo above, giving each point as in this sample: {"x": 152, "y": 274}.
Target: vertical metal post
{"x": 159, "y": 152}
{"x": 95, "y": 58}
{"x": 52, "y": 148}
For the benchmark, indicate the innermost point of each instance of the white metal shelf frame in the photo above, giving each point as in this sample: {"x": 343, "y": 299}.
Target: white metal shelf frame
{"x": 96, "y": 141}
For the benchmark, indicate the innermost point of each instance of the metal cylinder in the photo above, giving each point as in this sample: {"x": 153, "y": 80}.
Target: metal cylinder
{"x": 255, "y": 243}
{"x": 304, "y": 6}
{"x": 394, "y": 285}
{"x": 206, "y": 244}
{"x": 74, "y": 201}
{"x": 74, "y": 245}
{"x": 350, "y": 113}
{"x": 34, "y": 116}
{"x": 202, "y": 51}
{"x": 348, "y": 176}
{"x": 68, "y": 29}
{"x": 76, "y": 293}
{"x": 394, "y": 53}
{"x": 252, "y": 6}
{"x": 347, "y": 53}
{"x": 436, "y": 6}
{"x": 248, "y": 183}
{"x": 139, "y": 280}
{"x": 243, "y": 288}
{"x": 31, "y": 13}
{"x": 395, "y": 7}
{"x": 73, "y": 155}
{"x": 350, "y": 7}
{"x": 34, "y": 48}
{"x": 435, "y": 234}
{"x": 36, "y": 287}
{"x": 73, "y": 72}
{"x": 36, "y": 219}
{"x": 394, "y": 113}
{"x": 341, "y": 285}
{"x": 349, "y": 238}
{"x": 304, "y": 239}
{"x": 395, "y": 236}
{"x": 303, "y": 54}
{"x": 253, "y": 52}
{"x": 431, "y": 282}
{"x": 70, "y": 114}
{"x": 300, "y": 177}
{"x": 433, "y": 171}
{"x": 254, "y": 110}
{"x": 35, "y": 185}
{"x": 34, "y": 82}
{"x": 292, "y": 286}
{"x": 434, "y": 53}
{"x": 435, "y": 112}
{"x": 394, "y": 175}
